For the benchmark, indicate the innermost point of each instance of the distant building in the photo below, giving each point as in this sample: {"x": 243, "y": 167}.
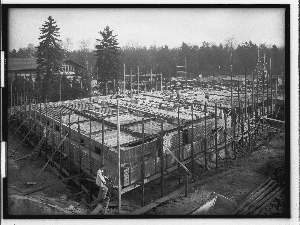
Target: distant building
{"x": 28, "y": 67}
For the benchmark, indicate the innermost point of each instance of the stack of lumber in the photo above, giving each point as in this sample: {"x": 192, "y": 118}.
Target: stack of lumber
{"x": 257, "y": 201}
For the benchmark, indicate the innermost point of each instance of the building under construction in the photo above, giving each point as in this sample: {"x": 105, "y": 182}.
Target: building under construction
{"x": 141, "y": 138}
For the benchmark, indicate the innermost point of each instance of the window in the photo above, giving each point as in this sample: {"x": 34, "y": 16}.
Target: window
{"x": 97, "y": 150}
{"x": 56, "y": 128}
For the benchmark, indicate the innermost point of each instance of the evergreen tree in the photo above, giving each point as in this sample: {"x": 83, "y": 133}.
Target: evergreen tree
{"x": 107, "y": 58}
{"x": 49, "y": 60}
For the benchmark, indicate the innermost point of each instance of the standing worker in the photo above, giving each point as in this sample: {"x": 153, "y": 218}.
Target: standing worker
{"x": 100, "y": 181}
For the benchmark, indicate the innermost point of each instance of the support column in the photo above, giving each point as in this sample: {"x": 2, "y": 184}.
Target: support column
{"x": 143, "y": 163}
{"x": 216, "y": 134}
{"x": 179, "y": 146}
{"x": 138, "y": 76}
{"x": 69, "y": 139}
{"x": 119, "y": 161}
{"x": 192, "y": 144}
{"x": 162, "y": 159}
{"x": 90, "y": 161}
{"x": 102, "y": 151}
{"x": 61, "y": 146}
{"x": 205, "y": 137}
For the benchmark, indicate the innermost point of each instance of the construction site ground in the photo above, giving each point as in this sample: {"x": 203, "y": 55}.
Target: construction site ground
{"x": 234, "y": 180}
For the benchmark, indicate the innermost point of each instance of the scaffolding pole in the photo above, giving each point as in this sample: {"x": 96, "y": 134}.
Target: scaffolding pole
{"x": 119, "y": 161}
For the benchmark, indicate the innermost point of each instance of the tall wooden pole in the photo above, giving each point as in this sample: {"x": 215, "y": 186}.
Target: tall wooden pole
{"x": 131, "y": 82}
{"x": 151, "y": 79}
{"x": 283, "y": 82}
{"x": 11, "y": 98}
{"x": 102, "y": 152}
{"x": 249, "y": 133}
{"x": 119, "y": 159}
{"x": 192, "y": 144}
{"x": 179, "y": 143}
{"x": 145, "y": 83}
{"x": 60, "y": 148}
{"x": 271, "y": 87}
{"x": 161, "y": 82}
{"x": 225, "y": 136}
{"x": 46, "y": 149}
{"x": 69, "y": 139}
{"x": 124, "y": 80}
{"x": 205, "y": 136}
{"x": 52, "y": 149}
{"x": 252, "y": 107}
{"x": 216, "y": 134}
{"x": 233, "y": 145}
{"x": 276, "y": 93}
{"x": 90, "y": 161}
{"x": 138, "y": 76}
{"x": 143, "y": 162}
{"x": 268, "y": 104}
{"x": 79, "y": 150}
{"x": 162, "y": 159}
{"x": 246, "y": 92}
{"x": 239, "y": 105}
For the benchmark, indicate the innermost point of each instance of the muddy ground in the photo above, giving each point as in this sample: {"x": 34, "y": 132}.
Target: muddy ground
{"x": 234, "y": 180}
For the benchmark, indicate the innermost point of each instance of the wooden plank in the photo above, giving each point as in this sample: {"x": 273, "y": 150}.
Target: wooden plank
{"x": 97, "y": 210}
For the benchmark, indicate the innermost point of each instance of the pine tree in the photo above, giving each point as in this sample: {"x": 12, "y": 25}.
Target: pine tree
{"x": 49, "y": 60}
{"x": 107, "y": 58}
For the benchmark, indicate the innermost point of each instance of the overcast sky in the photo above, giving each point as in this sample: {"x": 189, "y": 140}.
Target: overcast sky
{"x": 151, "y": 26}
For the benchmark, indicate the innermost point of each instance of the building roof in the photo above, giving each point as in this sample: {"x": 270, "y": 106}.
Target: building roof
{"x": 30, "y": 63}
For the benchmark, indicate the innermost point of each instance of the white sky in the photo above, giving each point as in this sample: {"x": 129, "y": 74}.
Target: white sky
{"x": 151, "y": 26}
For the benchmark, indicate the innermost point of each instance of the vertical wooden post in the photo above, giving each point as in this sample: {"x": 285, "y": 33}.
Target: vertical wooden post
{"x": 192, "y": 144}
{"x": 145, "y": 83}
{"x": 225, "y": 136}
{"x": 234, "y": 133}
{"x": 131, "y": 82}
{"x": 151, "y": 79}
{"x": 271, "y": 87}
{"x": 252, "y": 107}
{"x": 138, "y": 75}
{"x": 205, "y": 137}
{"x": 249, "y": 133}
{"x": 52, "y": 160}
{"x": 245, "y": 92}
{"x": 268, "y": 105}
{"x": 61, "y": 146}
{"x": 90, "y": 161}
{"x": 156, "y": 82}
{"x": 276, "y": 93}
{"x": 242, "y": 123}
{"x": 79, "y": 151}
{"x": 179, "y": 145}
{"x": 257, "y": 84}
{"x": 69, "y": 139}
{"x": 161, "y": 82}
{"x": 119, "y": 159}
{"x": 216, "y": 134}
{"x": 162, "y": 178}
{"x": 46, "y": 149}
{"x": 239, "y": 104}
{"x": 102, "y": 151}
{"x": 124, "y": 80}
{"x": 283, "y": 83}
{"x": 11, "y": 98}
{"x": 40, "y": 122}
{"x": 143, "y": 163}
